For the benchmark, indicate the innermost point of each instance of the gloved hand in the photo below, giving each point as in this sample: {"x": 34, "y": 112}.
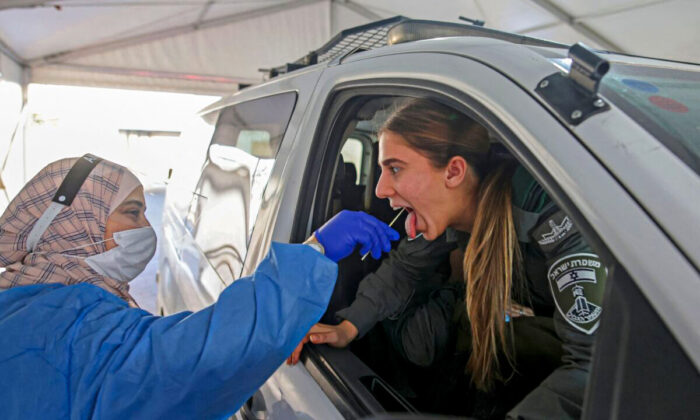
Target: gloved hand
{"x": 340, "y": 235}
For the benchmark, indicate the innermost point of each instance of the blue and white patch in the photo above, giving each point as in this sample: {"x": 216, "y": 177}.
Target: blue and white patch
{"x": 577, "y": 282}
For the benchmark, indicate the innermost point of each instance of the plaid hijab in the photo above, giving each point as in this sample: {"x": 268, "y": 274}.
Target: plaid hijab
{"x": 75, "y": 232}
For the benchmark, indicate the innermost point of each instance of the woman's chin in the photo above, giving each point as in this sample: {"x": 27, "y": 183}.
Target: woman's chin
{"x": 432, "y": 234}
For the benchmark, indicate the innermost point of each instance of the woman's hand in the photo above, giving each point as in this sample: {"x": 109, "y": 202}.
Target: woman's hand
{"x": 516, "y": 310}
{"x": 334, "y": 335}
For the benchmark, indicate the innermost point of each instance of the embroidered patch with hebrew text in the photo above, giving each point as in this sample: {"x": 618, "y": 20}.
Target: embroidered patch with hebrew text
{"x": 577, "y": 282}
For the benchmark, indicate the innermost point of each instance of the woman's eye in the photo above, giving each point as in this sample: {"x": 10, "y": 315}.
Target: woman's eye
{"x": 394, "y": 169}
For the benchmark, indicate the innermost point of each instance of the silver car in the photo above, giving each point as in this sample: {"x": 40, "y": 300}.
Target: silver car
{"x": 614, "y": 139}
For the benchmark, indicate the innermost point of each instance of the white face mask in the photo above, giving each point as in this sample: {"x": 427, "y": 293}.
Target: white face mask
{"x": 135, "y": 249}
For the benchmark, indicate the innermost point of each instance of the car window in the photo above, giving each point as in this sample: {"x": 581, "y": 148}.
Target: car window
{"x": 238, "y": 166}
{"x": 666, "y": 102}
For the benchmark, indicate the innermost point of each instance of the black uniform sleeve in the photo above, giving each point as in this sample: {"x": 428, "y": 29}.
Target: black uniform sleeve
{"x": 408, "y": 273}
{"x": 576, "y": 279}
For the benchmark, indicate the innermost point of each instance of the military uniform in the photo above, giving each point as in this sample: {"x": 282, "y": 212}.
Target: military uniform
{"x": 563, "y": 279}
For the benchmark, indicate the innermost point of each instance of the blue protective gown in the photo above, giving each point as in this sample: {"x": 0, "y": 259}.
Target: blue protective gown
{"x": 80, "y": 352}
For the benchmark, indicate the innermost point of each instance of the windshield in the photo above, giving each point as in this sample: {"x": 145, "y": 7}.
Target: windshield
{"x": 666, "y": 102}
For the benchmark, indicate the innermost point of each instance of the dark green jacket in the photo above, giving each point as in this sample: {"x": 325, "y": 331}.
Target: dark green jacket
{"x": 564, "y": 279}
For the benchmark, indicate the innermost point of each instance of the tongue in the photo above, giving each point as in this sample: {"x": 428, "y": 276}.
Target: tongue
{"x": 411, "y": 225}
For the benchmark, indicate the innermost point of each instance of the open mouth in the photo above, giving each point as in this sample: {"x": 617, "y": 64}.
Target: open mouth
{"x": 410, "y": 223}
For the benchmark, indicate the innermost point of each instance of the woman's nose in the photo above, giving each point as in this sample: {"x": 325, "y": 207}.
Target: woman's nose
{"x": 384, "y": 188}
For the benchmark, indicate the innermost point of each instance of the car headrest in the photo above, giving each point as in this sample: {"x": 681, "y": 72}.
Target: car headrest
{"x": 350, "y": 174}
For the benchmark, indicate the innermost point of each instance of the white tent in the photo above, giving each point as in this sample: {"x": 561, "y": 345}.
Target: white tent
{"x": 211, "y": 46}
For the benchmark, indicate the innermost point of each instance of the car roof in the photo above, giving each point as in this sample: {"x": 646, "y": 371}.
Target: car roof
{"x": 484, "y": 44}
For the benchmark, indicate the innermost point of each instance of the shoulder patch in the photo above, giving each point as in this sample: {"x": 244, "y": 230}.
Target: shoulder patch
{"x": 577, "y": 282}
{"x": 556, "y": 228}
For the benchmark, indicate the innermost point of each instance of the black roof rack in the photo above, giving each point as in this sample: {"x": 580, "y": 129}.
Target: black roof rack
{"x": 397, "y": 30}
{"x": 359, "y": 38}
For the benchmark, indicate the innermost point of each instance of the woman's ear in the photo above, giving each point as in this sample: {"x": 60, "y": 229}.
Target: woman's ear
{"x": 456, "y": 171}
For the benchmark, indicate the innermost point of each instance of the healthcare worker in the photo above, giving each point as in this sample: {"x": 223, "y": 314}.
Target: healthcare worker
{"x": 524, "y": 261}
{"x": 72, "y": 342}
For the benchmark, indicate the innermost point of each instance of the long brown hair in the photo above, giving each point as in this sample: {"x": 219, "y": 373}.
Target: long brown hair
{"x": 440, "y": 133}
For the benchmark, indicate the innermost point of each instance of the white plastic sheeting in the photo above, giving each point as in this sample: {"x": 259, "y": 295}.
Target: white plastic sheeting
{"x": 11, "y": 100}
{"x": 9, "y": 69}
{"x": 210, "y": 46}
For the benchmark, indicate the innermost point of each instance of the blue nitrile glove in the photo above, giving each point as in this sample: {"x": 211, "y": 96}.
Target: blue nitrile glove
{"x": 347, "y": 229}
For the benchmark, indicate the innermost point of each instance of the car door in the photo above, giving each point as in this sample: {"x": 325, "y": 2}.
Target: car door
{"x": 347, "y": 383}
{"x": 545, "y": 146}
{"x": 647, "y": 142}
{"x": 650, "y": 144}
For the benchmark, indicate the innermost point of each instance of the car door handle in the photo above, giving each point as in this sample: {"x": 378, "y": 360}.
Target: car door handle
{"x": 254, "y": 408}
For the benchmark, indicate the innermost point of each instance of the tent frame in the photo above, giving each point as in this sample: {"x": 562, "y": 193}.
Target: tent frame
{"x": 167, "y": 33}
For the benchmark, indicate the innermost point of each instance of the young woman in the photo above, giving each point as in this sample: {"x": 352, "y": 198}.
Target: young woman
{"x": 73, "y": 345}
{"x": 523, "y": 257}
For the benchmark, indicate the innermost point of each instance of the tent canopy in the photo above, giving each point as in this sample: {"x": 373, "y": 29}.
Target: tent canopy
{"x": 212, "y": 46}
